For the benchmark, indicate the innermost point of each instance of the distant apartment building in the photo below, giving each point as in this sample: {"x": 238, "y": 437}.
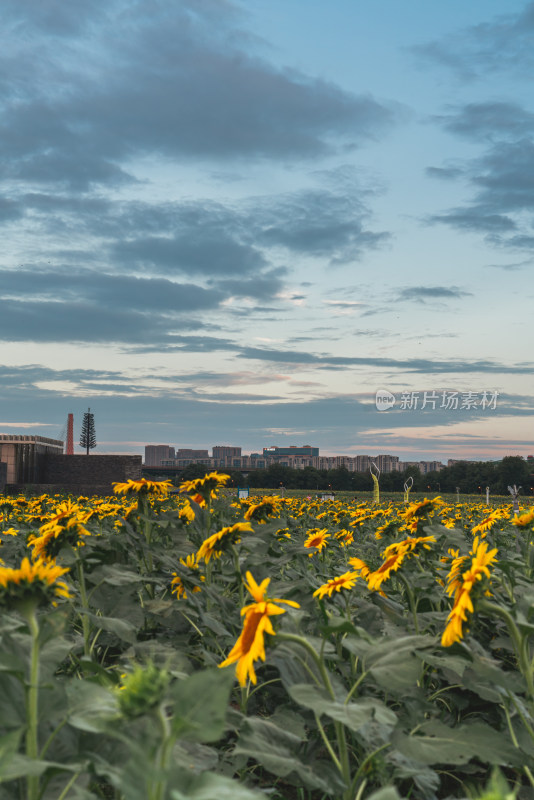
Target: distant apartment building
{"x": 185, "y": 452}
{"x": 362, "y": 463}
{"x": 292, "y": 451}
{"x": 156, "y": 454}
{"x": 224, "y": 451}
{"x": 387, "y": 463}
{"x": 226, "y": 456}
{"x": 423, "y": 466}
{"x": 430, "y": 466}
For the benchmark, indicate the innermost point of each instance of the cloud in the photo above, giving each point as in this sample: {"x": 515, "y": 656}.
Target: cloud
{"x": 475, "y": 220}
{"x": 488, "y": 120}
{"x": 423, "y": 293}
{"x": 502, "y": 183}
{"x": 502, "y": 44}
{"x": 191, "y": 254}
{"x": 182, "y": 81}
{"x": 518, "y": 265}
{"x": 108, "y": 292}
{"x": 416, "y": 365}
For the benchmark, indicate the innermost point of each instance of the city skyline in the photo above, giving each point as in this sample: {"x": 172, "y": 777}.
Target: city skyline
{"x": 232, "y": 456}
{"x": 250, "y": 222}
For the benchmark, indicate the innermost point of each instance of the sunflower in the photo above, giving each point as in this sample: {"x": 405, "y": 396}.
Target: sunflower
{"x": 345, "y": 537}
{"x": 422, "y": 509}
{"x": 361, "y": 566}
{"x": 142, "y": 690}
{"x": 142, "y": 487}
{"x": 317, "y": 538}
{"x": 262, "y": 511}
{"x": 488, "y": 522}
{"x": 454, "y": 578}
{"x": 206, "y": 487}
{"x": 391, "y": 564}
{"x": 250, "y": 645}
{"x": 217, "y": 542}
{"x": 394, "y": 555}
{"x": 480, "y": 563}
{"x": 524, "y": 520}
{"x": 345, "y": 581}
{"x": 186, "y": 514}
{"x": 54, "y": 537}
{"x": 177, "y": 584}
{"x": 31, "y": 584}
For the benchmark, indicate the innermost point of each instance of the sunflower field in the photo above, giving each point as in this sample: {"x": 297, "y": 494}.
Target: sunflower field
{"x": 192, "y": 646}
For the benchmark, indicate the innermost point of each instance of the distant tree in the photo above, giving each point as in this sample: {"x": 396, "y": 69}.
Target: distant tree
{"x": 193, "y": 471}
{"x": 88, "y": 436}
{"x": 512, "y": 469}
{"x": 340, "y": 479}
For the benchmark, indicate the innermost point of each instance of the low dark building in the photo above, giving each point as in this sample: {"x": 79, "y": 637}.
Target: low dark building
{"x": 25, "y": 456}
{"x": 38, "y": 464}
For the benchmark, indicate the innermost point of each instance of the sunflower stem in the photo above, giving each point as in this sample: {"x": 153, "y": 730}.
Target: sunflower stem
{"x": 513, "y": 630}
{"x": 163, "y": 753}
{"x": 411, "y": 600}
{"x": 32, "y": 745}
{"x": 86, "y": 625}
{"x": 238, "y": 576}
{"x": 342, "y": 763}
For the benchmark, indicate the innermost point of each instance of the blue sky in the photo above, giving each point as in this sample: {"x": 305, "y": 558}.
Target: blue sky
{"x": 234, "y": 223}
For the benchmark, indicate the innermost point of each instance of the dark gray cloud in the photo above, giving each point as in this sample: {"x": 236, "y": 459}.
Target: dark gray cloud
{"x": 10, "y": 209}
{"x": 108, "y": 292}
{"x": 488, "y": 120}
{"x": 444, "y": 173}
{"x": 424, "y": 293}
{"x": 182, "y": 81}
{"x": 502, "y": 184}
{"x": 53, "y": 17}
{"x": 475, "y": 219}
{"x": 324, "y": 223}
{"x": 407, "y": 365}
{"x": 197, "y": 253}
{"x": 513, "y": 267}
{"x": 503, "y": 43}
{"x": 56, "y": 321}
{"x": 502, "y": 178}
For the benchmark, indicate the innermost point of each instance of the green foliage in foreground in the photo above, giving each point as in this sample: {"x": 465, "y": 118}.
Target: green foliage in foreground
{"x": 120, "y": 692}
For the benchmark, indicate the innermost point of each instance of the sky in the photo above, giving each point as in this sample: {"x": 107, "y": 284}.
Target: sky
{"x": 238, "y": 222}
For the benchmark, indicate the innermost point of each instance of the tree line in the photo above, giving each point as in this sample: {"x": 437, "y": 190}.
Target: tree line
{"x": 468, "y": 478}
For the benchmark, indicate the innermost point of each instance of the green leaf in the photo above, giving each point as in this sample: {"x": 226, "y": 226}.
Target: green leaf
{"x": 440, "y": 744}
{"x": 200, "y": 703}
{"x": 195, "y": 756}
{"x": 280, "y": 752}
{"x": 91, "y": 707}
{"x": 9, "y": 745}
{"x": 386, "y": 793}
{"x": 20, "y": 766}
{"x": 354, "y": 715}
{"x": 394, "y": 663}
{"x": 209, "y": 786}
{"x": 116, "y": 576}
{"x": 337, "y": 625}
{"x": 120, "y": 627}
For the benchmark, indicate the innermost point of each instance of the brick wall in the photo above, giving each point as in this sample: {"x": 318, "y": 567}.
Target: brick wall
{"x": 3, "y": 476}
{"x": 92, "y": 470}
